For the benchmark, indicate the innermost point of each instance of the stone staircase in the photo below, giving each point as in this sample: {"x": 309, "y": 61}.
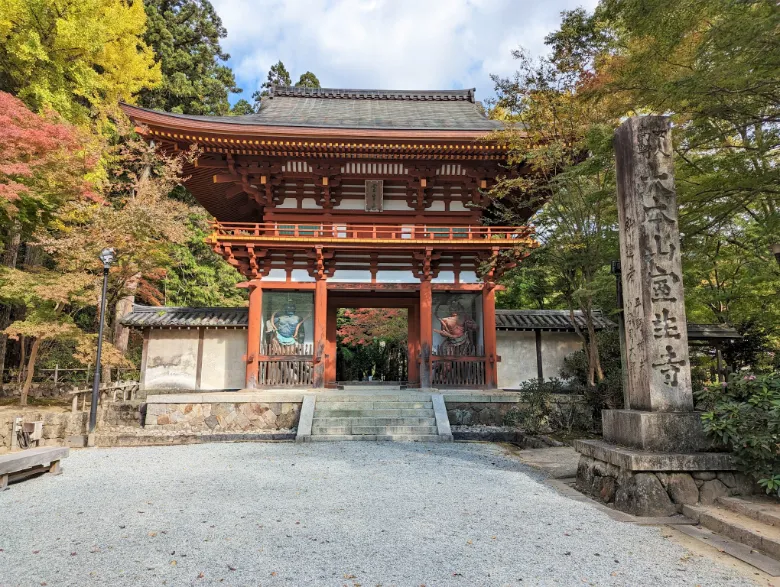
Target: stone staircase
{"x": 379, "y": 414}
{"x": 751, "y": 521}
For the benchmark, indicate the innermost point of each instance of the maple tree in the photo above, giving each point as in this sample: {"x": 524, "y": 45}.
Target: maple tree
{"x": 43, "y": 163}
{"x": 372, "y": 341}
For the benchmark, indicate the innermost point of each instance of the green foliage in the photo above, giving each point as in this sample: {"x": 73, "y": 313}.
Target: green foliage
{"x": 607, "y": 393}
{"x": 372, "y": 341}
{"x": 744, "y": 415}
{"x": 539, "y": 412}
{"x": 534, "y": 413}
{"x": 197, "y": 276}
{"x": 279, "y": 76}
{"x": 185, "y": 36}
{"x": 308, "y": 80}
{"x": 241, "y": 107}
{"x": 79, "y": 57}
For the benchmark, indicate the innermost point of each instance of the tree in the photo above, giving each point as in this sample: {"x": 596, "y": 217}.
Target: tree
{"x": 308, "y": 80}
{"x": 564, "y": 145}
{"x": 373, "y": 341}
{"x": 715, "y": 67}
{"x": 43, "y": 164}
{"x": 79, "y": 57}
{"x": 185, "y": 36}
{"x": 241, "y": 107}
{"x": 51, "y": 298}
{"x": 277, "y": 76}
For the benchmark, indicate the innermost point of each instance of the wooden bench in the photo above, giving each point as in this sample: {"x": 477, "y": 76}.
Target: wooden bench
{"x": 19, "y": 465}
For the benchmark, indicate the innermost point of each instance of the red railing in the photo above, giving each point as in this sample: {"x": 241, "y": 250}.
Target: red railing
{"x": 346, "y": 230}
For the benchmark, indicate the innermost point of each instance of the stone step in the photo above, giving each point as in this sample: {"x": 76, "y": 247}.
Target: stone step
{"x": 372, "y": 397}
{"x": 380, "y": 437}
{"x": 327, "y": 430}
{"x": 764, "y": 509}
{"x": 741, "y": 528}
{"x": 370, "y": 405}
{"x": 368, "y": 421}
{"x": 356, "y": 413}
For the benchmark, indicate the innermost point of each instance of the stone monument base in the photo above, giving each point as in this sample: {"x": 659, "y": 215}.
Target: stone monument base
{"x": 644, "y": 483}
{"x": 658, "y": 431}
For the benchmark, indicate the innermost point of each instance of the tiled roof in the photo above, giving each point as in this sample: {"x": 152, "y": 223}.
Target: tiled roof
{"x": 711, "y": 331}
{"x": 364, "y": 109}
{"x": 415, "y": 95}
{"x": 555, "y": 320}
{"x": 175, "y": 317}
{"x": 559, "y": 320}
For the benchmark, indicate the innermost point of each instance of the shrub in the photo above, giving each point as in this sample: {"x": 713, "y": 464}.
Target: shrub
{"x": 539, "y": 413}
{"x": 608, "y": 393}
{"x": 744, "y": 415}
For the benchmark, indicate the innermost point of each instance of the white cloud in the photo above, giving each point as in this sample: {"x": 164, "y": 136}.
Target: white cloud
{"x": 393, "y": 44}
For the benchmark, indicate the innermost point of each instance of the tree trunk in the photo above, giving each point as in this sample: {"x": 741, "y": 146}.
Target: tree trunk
{"x": 22, "y": 358}
{"x": 9, "y": 260}
{"x": 124, "y": 306}
{"x": 30, "y": 370}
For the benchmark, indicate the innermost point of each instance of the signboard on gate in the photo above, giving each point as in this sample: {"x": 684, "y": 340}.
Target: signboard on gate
{"x": 374, "y": 195}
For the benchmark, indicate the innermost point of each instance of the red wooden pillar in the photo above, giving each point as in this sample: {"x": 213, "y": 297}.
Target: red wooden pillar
{"x": 330, "y": 346}
{"x": 413, "y": 345}
{"x": 255, "y": 320}
{"x": 320, "y": 331}
{"x": 489, "y": 334}
{"x": 426, "y": 332}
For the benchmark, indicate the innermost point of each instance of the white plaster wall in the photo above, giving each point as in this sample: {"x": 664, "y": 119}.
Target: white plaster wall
{"x": 396, "y": 277}
{"x": 556, "y": 346}
{"x": 517, "y": 350}
{"x": 172, "y": 358}
{"x": 223, "y": 366}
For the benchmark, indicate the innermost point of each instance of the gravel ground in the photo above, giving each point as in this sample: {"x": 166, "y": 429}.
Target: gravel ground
{"x": 348, "y": 513}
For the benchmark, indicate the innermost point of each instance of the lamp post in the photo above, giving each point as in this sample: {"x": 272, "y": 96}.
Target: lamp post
{"x": 775, "y": 248}
{"x": 107, "y": 256}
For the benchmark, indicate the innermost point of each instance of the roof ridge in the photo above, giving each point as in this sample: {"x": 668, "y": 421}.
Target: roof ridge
{"x": 466, "y": 95}
{"x": 145, "y": 308}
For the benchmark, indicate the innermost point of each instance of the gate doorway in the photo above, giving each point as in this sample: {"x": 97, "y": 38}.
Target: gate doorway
{"x": 372, "y": 345}
{"x": 374, "y": 335}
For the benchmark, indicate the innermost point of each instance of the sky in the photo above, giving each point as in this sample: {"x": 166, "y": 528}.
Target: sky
{"x": 386, "y": 44}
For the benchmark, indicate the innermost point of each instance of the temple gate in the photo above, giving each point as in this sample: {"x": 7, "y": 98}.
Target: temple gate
{"x": 355, "y": 198}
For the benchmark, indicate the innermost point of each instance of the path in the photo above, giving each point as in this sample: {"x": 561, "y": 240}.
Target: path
{"x": 350, "y": 513}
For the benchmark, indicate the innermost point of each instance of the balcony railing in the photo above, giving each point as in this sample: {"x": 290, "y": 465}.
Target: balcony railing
{"x": 336, "y": 230}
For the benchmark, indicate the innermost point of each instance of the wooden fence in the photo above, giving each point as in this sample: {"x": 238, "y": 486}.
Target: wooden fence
{"x": 290, "y": 366}
{"x": 458, "y": 366}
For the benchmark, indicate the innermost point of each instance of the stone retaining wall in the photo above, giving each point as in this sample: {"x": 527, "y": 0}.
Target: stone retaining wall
{"x": 222, "y": 416}
{"x": 645, "y": 493}
{"x": 493, "y": 410}
{"x": 58, "y": 427}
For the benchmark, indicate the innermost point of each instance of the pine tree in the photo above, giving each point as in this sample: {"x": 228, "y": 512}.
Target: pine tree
{"x": 185, "y": 35}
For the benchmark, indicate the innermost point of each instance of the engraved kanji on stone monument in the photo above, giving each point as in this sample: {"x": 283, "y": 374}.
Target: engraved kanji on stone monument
{"x": 656, "y": 336}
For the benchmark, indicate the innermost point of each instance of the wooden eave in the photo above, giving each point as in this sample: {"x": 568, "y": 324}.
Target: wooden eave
{"x": 221, "y": 137}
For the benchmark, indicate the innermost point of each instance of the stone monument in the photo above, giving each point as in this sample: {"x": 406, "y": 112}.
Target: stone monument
{"x": 653, "y": 457}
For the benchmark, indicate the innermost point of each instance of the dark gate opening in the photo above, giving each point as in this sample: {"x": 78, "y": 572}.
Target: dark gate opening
{"x": 372, "y": 345}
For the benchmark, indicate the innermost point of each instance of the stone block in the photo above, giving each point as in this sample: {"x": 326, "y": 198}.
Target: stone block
{"x": 641, "y": 494}
{"x": 656, "y": 431}
{"x": 711, "y": 491}
{"x": 585, "y": 474}
{"x": 681, "y": 488}
{"x": 704, "y": 475}
{"x": 639, "y": 460}
{"x": 608, "y": 489}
